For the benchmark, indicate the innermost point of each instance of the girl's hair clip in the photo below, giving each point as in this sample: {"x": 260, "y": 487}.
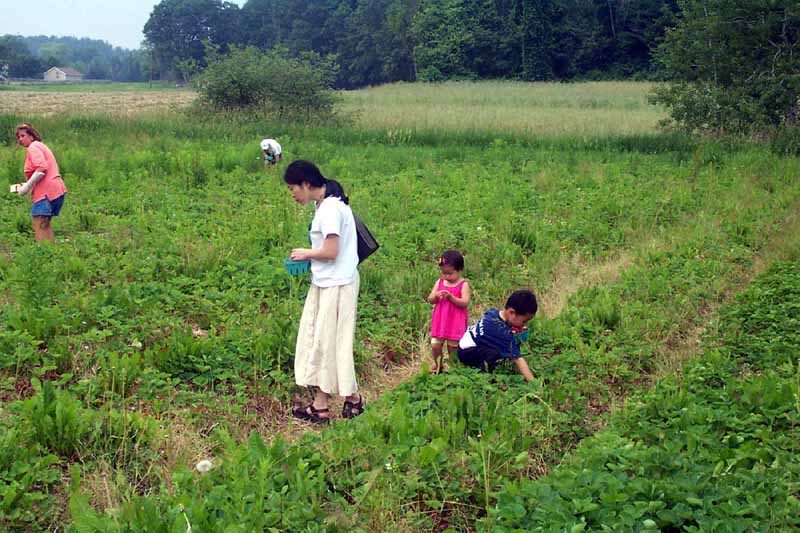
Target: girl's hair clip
{"x": 442, "y": 261}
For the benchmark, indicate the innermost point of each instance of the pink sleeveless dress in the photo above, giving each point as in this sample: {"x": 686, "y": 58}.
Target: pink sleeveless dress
{"x": 449, "y": 321}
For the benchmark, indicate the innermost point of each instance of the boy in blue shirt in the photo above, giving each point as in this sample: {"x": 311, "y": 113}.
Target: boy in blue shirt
{"x": 495, "y": 336}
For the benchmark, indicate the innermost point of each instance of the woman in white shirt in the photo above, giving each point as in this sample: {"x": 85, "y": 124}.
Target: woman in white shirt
{"x": 324, "y": 351}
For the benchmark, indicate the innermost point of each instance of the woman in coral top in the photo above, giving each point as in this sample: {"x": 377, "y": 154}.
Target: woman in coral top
{"x": 43, "y": 181}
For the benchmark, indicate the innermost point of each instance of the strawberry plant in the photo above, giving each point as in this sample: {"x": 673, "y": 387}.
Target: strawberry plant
{"x": 715, "y": 449}
{"x": 166, "y": 296}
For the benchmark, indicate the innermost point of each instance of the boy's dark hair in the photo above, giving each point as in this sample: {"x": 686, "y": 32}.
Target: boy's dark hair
{"x": 452, "y": 258}
{"x": 523, "y": 302}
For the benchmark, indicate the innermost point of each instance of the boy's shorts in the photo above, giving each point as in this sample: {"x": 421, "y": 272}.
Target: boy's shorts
{"x": 438, "y": 341}
{"x": 480, "y": 357}
{"x": 47, "y": 207}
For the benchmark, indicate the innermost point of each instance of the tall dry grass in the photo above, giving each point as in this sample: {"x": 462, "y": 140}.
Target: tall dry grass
{"x": 594, "y": 108}
{"x": 485, "y": 107}
{"x": 123, "y": 102}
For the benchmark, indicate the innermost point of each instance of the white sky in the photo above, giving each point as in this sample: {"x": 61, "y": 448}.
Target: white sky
{"x": 119, "y": 22}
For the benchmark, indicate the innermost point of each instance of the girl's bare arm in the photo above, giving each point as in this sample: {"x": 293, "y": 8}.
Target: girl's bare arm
{"x": 432, "y": 297}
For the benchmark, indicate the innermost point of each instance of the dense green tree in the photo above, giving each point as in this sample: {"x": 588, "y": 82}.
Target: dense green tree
{"x": 130, "y": 67}
{"x": 443, "y": 38}
{"x": 627, "y": 31}
{"x": 538, "y": 56}
{"x": 538, "y": 39}
{"x": 97, "y": 70}
{"x": 398, "y": 56}
{"x": 377, "y": 41}
{"x": 376, "y": 46}
{"x": 54, "y": 53}
{"x": 735, "y": 65}
{"x": 261, "y": 23}
{"x": 177, "y": 29}
{"x": 22, "y": 63}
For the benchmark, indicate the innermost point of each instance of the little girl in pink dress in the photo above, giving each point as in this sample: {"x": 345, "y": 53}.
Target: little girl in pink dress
{"x": 450, "y": 296}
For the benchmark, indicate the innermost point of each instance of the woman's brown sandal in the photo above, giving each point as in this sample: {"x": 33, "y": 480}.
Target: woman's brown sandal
{"x": 311, "y": 414}
{"x": 352, "y": 410}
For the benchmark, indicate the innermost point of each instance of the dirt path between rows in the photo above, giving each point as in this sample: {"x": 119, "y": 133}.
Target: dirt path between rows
{"x": 575, "y": 274}
{"x": 684, "y": 343}
{"x": 270, "y": 417}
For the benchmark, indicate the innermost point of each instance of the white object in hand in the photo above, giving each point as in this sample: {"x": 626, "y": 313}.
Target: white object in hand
{"x": 16, "y": 187}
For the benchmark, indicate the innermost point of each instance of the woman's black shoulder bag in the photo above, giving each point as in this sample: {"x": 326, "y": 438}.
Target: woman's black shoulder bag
{"x": 367, "y": 244}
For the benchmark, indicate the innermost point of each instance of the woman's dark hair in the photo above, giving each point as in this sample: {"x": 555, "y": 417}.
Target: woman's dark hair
{"x": 300, "y": 171}
{"x": 452, "y": 258}
{"x": 30, "y": 130}
{"x": 523, "y": 302}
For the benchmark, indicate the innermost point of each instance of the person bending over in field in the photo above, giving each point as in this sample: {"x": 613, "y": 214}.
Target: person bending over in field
{"x": 272, "y": 153}
{"x": 498, "y": 334}
{"x": 43, "y": 181}
{"x": 450, "y": 296}
{"x": 324, "y": 353}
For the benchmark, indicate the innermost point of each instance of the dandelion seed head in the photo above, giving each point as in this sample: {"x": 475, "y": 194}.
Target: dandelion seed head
{"x": 204, "y": 466}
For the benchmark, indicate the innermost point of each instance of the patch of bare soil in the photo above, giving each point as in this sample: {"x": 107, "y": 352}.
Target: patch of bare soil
{"x": 575, "y": 274}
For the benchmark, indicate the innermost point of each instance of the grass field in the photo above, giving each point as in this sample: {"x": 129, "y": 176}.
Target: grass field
{"x": 91, "y": 87}
{"x": 30, "y": 103}
{"x": 527, "y": 109}
{"x": 160, "y": 330}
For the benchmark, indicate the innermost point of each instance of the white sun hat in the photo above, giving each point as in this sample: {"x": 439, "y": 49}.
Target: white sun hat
{"x": 272, "y": 144}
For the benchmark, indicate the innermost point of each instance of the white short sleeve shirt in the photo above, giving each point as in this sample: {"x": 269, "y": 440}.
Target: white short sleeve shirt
{"x": 334, "y": 217}
{"x": 271, "y": 145}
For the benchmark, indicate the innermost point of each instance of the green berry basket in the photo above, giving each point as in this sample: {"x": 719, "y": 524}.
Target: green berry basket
{"x": 297, "y": 268}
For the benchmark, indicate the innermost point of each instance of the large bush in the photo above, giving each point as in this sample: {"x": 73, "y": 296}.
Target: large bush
{"x": 271, "y": 81}
{"x": 735, "y": 65}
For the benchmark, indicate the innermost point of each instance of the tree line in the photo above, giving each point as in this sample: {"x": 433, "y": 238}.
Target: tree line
{"x": 30, "y": 57}
{"x": 733, "y": 65}
{"x": 380, "y": 41}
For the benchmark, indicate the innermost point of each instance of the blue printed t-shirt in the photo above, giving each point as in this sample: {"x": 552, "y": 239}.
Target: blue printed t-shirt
{"x": 492, "y": 331}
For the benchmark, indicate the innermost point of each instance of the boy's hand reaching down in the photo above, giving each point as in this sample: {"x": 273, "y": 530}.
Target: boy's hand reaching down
{"x": 522, "y": 366}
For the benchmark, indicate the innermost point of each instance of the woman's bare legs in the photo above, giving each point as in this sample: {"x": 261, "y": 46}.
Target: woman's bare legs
{"x": 42, "y": 229}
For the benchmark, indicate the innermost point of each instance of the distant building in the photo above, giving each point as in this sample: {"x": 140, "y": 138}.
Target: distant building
{"x": 62, "y": 74}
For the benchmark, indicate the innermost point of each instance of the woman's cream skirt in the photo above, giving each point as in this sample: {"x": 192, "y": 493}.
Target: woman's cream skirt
{"x": 324, "y": 353}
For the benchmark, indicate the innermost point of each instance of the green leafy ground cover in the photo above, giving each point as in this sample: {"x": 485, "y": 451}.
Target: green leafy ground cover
{"x": 714, "y": 448}
{"x": 163, "y": 322}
